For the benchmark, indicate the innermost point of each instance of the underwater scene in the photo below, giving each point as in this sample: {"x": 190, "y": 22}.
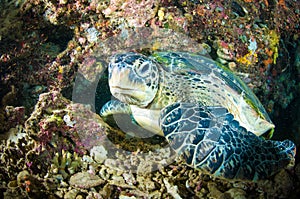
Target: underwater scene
{"x": 150, "y": 99}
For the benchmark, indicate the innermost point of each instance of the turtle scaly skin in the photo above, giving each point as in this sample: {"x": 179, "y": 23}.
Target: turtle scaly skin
{"x": 205, "y": 112}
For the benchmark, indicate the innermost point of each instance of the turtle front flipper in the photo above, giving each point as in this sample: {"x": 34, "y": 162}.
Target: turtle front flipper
{"x": 118, "y": 114}
{"x": 114, "y": 107}
{"x": 210, "y": 139}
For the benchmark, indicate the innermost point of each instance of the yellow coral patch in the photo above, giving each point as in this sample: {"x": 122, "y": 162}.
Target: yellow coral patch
{"x": 248, "y": 59}
{"x": 274, "y": 43}
{"x": 161, "y": 14}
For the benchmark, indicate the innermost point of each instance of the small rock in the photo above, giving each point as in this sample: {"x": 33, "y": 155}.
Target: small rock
{"x": 59, "y": 193}
{"x": 63, "y": 1}
{"x": 126, "y": 197}
{"x": 145, "y": 183}
{"x": 71, "y": 194}
{"x": 22, "y": 176}
{"x": 118, "y": 180}
{"x": 172, "y": 189}
{"x": 145, "y": 167}
{"x": 129, "y": 178}
{"x": 232, "y": 66}
{"x": 93, "y": 195}
{"x": 111, "y": 163}
{"x": 85, "y": 180}
{"x": 214, "y": 192}
{"x": 63, "y": 184}
{"x": 99, "y": 153}
{"x": 79, "y": 197}
{"x": 236, "y": 193}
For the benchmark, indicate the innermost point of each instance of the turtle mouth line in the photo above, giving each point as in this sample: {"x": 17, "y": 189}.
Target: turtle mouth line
{"x": 122, "y": 88}
{"x": 127, "y": 98}
{"x": 128, "y": 92}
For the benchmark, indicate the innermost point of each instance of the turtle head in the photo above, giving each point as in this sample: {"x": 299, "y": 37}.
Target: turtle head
{"x": 133, "y": 78}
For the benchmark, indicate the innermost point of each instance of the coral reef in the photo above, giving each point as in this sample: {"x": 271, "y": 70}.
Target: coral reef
{"x": 57, "y": 148}
{"x": 108, "y": 167}
{"x": 136, "y": 13}
{"x": 240, "y": 26}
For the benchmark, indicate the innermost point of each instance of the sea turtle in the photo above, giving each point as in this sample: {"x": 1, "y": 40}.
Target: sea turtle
{"x": 207, "y": 114}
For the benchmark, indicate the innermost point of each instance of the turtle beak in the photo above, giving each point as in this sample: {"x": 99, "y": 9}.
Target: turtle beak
{"x": 124, "y": 89}
{"x": 120, "y": 82}
{"x": 118, "y": 77}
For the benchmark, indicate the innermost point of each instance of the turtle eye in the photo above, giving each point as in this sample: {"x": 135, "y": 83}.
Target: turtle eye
{"x": 143, "y": 69}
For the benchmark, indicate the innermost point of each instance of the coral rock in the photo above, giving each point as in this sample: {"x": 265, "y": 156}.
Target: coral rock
{"x": 85, "y": 180}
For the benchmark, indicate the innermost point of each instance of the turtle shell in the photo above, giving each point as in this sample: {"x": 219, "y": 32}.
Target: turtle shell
{"x": 183, "y": 63}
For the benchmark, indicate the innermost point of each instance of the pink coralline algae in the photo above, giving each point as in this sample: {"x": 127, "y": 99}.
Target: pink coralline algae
{"x": 47, "y": 126}
{"x": 89, "y": 126}
{"x": 137, "y": 13}
{"x": 57, "y": 124}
